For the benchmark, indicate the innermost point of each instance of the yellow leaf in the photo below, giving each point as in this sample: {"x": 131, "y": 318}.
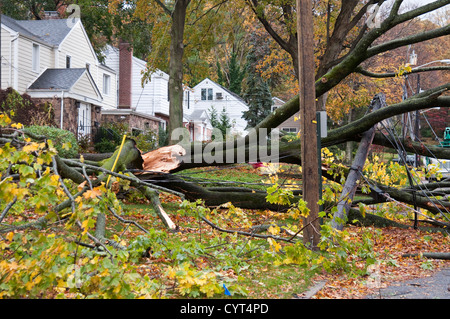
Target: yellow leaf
{"x": 85, "y": 224}
{"x": 30, "y": 147}
{"x": 92, "y": 193}
{"x": 274, "y": 229}
{"x": 10, "y": 236}
{"x": 29, "y": 285}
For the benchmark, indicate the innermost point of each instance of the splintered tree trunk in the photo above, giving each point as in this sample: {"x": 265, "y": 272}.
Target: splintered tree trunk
{"x": 349, "y": 188}
{"x": 119, "y": 161}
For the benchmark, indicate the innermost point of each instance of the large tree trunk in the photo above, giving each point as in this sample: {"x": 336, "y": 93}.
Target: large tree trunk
{"x": 176, "y": 68}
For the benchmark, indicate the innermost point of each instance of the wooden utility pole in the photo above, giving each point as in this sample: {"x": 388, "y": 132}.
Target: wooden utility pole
{"x": 308, "y": 124}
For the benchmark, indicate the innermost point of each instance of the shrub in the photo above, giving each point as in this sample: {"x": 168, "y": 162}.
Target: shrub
{"x": 108, "y": 137}
{"x": 22, "y": 109}
{"x": 146, "y": 141}
{"x": 59, "y": 137}
{"x": 105, "y": 146}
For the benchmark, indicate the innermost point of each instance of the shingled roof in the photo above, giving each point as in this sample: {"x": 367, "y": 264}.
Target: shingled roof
{"x": 52, "y": 31}
{"x": 57, "y": 79}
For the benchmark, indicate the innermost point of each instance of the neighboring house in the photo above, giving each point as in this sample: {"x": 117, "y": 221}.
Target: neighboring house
{"x": 290, "y": 125}
{"x": 199, "y": 125}
{"x": 208, "y": 94}
{"x": 53, "y": 60}
{"x": 141, "y": 106}
{"x": 150, "y": 99}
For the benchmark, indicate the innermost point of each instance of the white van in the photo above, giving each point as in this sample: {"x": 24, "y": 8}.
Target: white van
{"x": 443, "y": 166}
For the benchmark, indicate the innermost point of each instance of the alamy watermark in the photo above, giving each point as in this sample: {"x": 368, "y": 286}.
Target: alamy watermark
{"x": 374, "y": 279}
{"x": 374, "y": 16}
{"x": 74, "y": 16}
{"x": 257, "y": 146}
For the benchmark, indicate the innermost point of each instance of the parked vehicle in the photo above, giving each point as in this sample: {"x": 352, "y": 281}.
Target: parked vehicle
{"x": 442, "y": 165}
{"x": 410, "y": 160}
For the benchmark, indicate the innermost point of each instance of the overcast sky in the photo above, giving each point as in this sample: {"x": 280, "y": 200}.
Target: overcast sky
{"x": 417, "y": 3}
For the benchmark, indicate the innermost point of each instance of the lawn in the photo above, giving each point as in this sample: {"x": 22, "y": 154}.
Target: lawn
{"x": 246, "y": 264}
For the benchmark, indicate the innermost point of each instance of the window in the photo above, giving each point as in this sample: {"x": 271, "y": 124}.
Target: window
{"x": 289, "y": 129}
{"x": 207, "y": 94}
{"x": 210, "y": 94}
{"x": 35, "y": 58}
{"x": 187, "y": 98}
{"x": 106, "y": 84}
{"x": 67, "y": 61}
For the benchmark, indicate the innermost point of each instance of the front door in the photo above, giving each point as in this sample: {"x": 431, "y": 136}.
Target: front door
{"x": 84, "y": 119}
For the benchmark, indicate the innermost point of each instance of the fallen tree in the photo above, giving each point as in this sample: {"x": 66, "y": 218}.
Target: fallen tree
{"x": 159, "y": 165}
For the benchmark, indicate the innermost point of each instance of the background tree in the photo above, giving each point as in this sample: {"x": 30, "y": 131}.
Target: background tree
{"x": 236, "y": 74}
{"x": 221, "y": 122}
{"x": 256, "y": 95}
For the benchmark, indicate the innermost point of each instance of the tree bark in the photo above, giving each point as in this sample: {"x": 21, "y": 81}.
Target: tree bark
{"x": 354, "y": 175}
{"x": 308, "y": 124}
{"x": 176, "y": 68}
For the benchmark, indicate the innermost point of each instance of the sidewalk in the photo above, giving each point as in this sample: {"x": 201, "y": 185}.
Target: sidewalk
{"x": 433, "y": 287}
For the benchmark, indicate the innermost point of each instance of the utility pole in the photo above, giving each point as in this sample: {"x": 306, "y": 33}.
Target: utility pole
{"x": 308, "y": 124}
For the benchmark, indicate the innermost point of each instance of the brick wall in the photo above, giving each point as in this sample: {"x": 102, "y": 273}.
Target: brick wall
{"x": 133, "y": 121}
{"x": 70, "y": 118}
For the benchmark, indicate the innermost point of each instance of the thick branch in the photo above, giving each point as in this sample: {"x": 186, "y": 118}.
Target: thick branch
{"x": 423, "y": 36}
{"x": 394, "y": 74}
{"x": 421, "y": 101}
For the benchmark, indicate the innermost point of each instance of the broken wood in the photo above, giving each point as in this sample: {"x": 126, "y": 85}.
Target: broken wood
{"x": 354, "y": 175}
{"x": 164, "y": 159}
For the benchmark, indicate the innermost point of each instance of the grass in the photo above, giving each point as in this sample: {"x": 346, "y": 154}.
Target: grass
{"x": 235, "y": 256}
{"x": 234, "y": 176}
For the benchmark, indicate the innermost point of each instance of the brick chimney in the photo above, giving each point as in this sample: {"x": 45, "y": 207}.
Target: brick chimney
{"x": 125, "y": 64}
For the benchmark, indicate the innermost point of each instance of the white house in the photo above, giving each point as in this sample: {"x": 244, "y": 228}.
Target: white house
{"x": 151, "y": 98}
{"x": 53, "y": 61}
{"x": 208, "y": 94}
{"x": 290, "y": 125}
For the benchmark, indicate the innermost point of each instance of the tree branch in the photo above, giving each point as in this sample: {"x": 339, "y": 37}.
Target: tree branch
{"x": 394, "y": 74}
{"x": 244, "y": 233}
{"x": 390, "y": 45}
{"x": 420, "y": 101}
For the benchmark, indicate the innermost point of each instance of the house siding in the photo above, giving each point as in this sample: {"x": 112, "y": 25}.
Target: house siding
{"x": 25, "y": 54}
{"x": 154, "y": 97}
{"x": 85, "y": 87}
{"x": 109, "y": 100}
{"x": 6, "y": 61}
{"x": 151, "y": 99}
{"x": 78, "y": 47}
{"x": 232, "y": 105}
